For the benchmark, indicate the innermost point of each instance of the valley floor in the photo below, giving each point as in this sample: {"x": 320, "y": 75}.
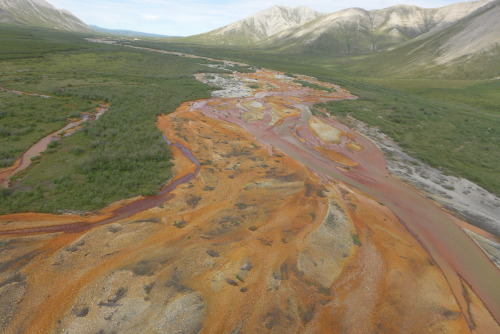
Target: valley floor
{"x": 278, "y": 220}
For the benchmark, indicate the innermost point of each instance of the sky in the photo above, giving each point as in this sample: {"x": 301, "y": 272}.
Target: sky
{"x": 190, "y": 17}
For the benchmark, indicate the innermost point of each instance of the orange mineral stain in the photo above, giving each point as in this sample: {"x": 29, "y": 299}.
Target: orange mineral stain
{"x": 261, "y": 230}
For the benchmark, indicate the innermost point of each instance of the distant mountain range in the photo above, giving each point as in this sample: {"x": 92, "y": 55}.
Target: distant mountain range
{"x": 348, "y": 31}
{"x": 39, "y": 13}
{"x": 259, "y": 27}
{"x": 465, "y": 35}
{"x": 468, "y": 48}
{"x": 356, "y": 30}
{"x": 401, "y": 38}
{"x": 122, "y": 32}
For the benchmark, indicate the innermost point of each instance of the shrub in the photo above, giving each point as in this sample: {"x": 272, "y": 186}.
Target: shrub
{"x": 241, "y": 206}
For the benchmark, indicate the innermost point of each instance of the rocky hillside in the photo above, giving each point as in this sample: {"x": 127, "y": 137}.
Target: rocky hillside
{"x": 356, "y": 30}
{"x": 477, "y": 34}
{"x": 259, "y": 26}
{"x": 39, "y": 13}
{"x": 468, "y": 48}
{"x": 346, "y": 32}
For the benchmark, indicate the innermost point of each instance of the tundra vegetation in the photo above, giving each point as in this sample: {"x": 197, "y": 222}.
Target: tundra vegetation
{"x": 120, "y": 155}
{"x": 26, "y": 119}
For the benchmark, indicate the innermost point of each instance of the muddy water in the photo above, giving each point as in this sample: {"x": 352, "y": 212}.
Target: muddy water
{"x": 153, "y": 201}
{"x": 122, "y": 212}
{"x": 454, "y": 252}
{"x": 39, "y": 147}
{"x": 34, "y": 151}
{"x": 451, "y": 248}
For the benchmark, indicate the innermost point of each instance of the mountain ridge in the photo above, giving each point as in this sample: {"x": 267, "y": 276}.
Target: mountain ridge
{"x": 41, "y": 14}
{"x": 258, "y": 26}
{"x": 468, "y": 48}
{"x": 458, "y": 40}
{"x": 348, "y": 31}
{"x": 378, "y": 29}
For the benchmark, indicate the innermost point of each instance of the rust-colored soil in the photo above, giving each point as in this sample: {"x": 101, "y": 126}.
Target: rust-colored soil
{"x": 335, "y": 156}
{"x": 252, "y": 239}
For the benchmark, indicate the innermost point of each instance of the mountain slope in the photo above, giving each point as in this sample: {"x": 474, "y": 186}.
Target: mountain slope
{"x": 39, "y": 13}
{"x": 356, "y": 30}
{"x": 469, "y": 48}
{"x": 258, "y": 27}
{"x": 346, "y": 32}
{"x": 479, "y": 33}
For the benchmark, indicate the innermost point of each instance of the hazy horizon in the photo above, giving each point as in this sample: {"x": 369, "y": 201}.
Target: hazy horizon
{"x": 166, "y": 17}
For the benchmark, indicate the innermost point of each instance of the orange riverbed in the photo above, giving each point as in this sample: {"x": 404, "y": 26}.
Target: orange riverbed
{"x": 260, "y": 231}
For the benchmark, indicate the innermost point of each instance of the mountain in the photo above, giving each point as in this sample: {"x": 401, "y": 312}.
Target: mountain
{"x": 124, "y": 32}
{"x": 478, "y": 33}
{"x": 259, "y": 26}
{"x": 356, "y": 30}
{"x": 468, "y": 48}
{"x": 349, "y": 31}
{"x": 39, "y": 13}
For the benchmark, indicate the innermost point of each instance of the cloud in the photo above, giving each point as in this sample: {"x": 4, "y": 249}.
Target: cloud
{"x": 152, "y": 17}
{"x": 189, "y": 17}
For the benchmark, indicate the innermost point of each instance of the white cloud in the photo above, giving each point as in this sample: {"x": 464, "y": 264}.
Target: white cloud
{"x": 151, "y": 17}
{"x": 188, "y": 17}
